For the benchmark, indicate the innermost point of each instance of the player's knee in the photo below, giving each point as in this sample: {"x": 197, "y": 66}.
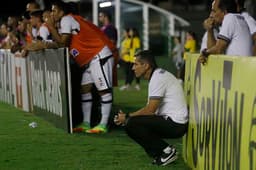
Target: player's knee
{"x": 106, "y": 98}
{"x": 86, "y": 97}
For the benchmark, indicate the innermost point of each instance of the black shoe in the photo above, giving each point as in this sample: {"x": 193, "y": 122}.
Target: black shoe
{"x": 166, "y": 158}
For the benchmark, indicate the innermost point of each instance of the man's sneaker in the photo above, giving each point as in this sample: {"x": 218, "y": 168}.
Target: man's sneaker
{"x": 98, "y": 129}
{"x": 137, "y": 87}
{"x": 124, "y": 87}
{"x": 169, "y": 155}
{"x": 83, "y": 127}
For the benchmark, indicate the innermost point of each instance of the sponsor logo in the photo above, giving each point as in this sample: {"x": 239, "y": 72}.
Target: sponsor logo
{"x": 74, "y": 52}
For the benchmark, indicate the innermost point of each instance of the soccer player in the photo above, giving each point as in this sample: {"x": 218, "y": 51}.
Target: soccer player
{"x": 234, "y": 37}
{"x": 92, "y": 51}
{"x": 164, "y": 116}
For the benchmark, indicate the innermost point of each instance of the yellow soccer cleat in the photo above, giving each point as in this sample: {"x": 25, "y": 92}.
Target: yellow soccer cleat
{"x": 98, "y": 129}
{"x": 83, "y": 127}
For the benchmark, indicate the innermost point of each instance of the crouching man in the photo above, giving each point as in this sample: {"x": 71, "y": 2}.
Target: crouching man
{"x": 164, "y": 116}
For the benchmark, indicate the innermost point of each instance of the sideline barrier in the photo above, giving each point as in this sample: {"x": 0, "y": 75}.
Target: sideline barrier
{"x": 21, "y": 82}
{"x": 39, "y": 83}
{"x": 7, "y": 78}
{"x": 49, "y": 83}
{"x": 222, "y": 113}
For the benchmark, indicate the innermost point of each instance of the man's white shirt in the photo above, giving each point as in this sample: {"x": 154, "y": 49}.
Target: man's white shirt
{"x": 44, "y": 32}
{"x": 250, "y": 21}
{"x": 236, "y": 32}
{"x": 164, "y": 86}
{"x": 68, "y": 25}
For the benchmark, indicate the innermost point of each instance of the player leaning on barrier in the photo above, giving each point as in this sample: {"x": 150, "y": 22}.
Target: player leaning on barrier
{"x": 164, "y": 116}
{"x": 249, "y": 20}
{"x": 234, "y": 37}
{"x": 92, "y": 51}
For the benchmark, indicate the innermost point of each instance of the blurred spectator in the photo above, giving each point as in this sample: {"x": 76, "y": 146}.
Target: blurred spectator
{"x": 42, "y": 31}
{"x": 125, "y": 56}
{"x": 107, "y": 27}
{"x": 190, "y": 47}
{"x": 135, "y": 46}
{"x": 32, "y": 6}
{"x": 3, "y": 32}
{"x": 9, "y": 36}
{"x": 249, "y": 20}
{"x": 177, "y": 56}
{"x": 190, "y": 43}
{"x": 46, "y": 15}
{"x": 22, "y": 31}
{"x": 12, "y": 22}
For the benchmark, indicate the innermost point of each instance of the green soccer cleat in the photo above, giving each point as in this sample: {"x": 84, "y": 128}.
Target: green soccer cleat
{"x": 98, "y": 129}
{"x": 83, "y": 127}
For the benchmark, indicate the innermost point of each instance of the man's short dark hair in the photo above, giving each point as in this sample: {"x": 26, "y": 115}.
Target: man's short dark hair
{"x": 240, "y": 3}
{"x": 106, "y": 14}
{"x": 61, "y": 5}
{"x": 36, "y": 13}
{"x": 26, "y": 15}
{"x": 147, "y": 56}
{"x": 228, "y": 5}
{"x": 34, "y": 3}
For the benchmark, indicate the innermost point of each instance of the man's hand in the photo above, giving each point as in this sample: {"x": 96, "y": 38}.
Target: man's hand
{"x": 208, "y": 23}
{"x": 24, "y": 53}
{"x": 203, "y": 57}
{"x": 49, "y": 21}
{"x": 120, "y": 118}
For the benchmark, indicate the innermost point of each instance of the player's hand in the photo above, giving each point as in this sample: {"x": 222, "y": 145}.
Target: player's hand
{"x": 202, "y": 59}
{"x": 50, "y": 21}
{"x": 203, "y": 56}
{"x": 208, "y": 23}
{"x": 24, "y": 53}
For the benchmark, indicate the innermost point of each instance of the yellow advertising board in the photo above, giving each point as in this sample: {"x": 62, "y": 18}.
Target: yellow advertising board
{"x": 222, "y": 113}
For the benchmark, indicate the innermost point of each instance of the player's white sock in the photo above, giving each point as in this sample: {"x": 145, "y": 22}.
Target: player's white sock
{"x": 106, "y": 104}
{"x": 86, "y": 106}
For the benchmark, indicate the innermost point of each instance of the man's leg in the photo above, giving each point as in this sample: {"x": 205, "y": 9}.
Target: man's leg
{"x": 106, "y": 106}
{"x": 102, "y": 76}
{"x": 86, "y": 102}
{"x": 149, "y": 131}
{"x": 141, "y": 129}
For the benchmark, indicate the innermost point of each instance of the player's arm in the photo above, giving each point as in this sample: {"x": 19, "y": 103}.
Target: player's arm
{"x": 211, "y": 41}
{"x": 219, "y": 48}
{"x": 149, "y": 109}
{"x": 63, "y": 40}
